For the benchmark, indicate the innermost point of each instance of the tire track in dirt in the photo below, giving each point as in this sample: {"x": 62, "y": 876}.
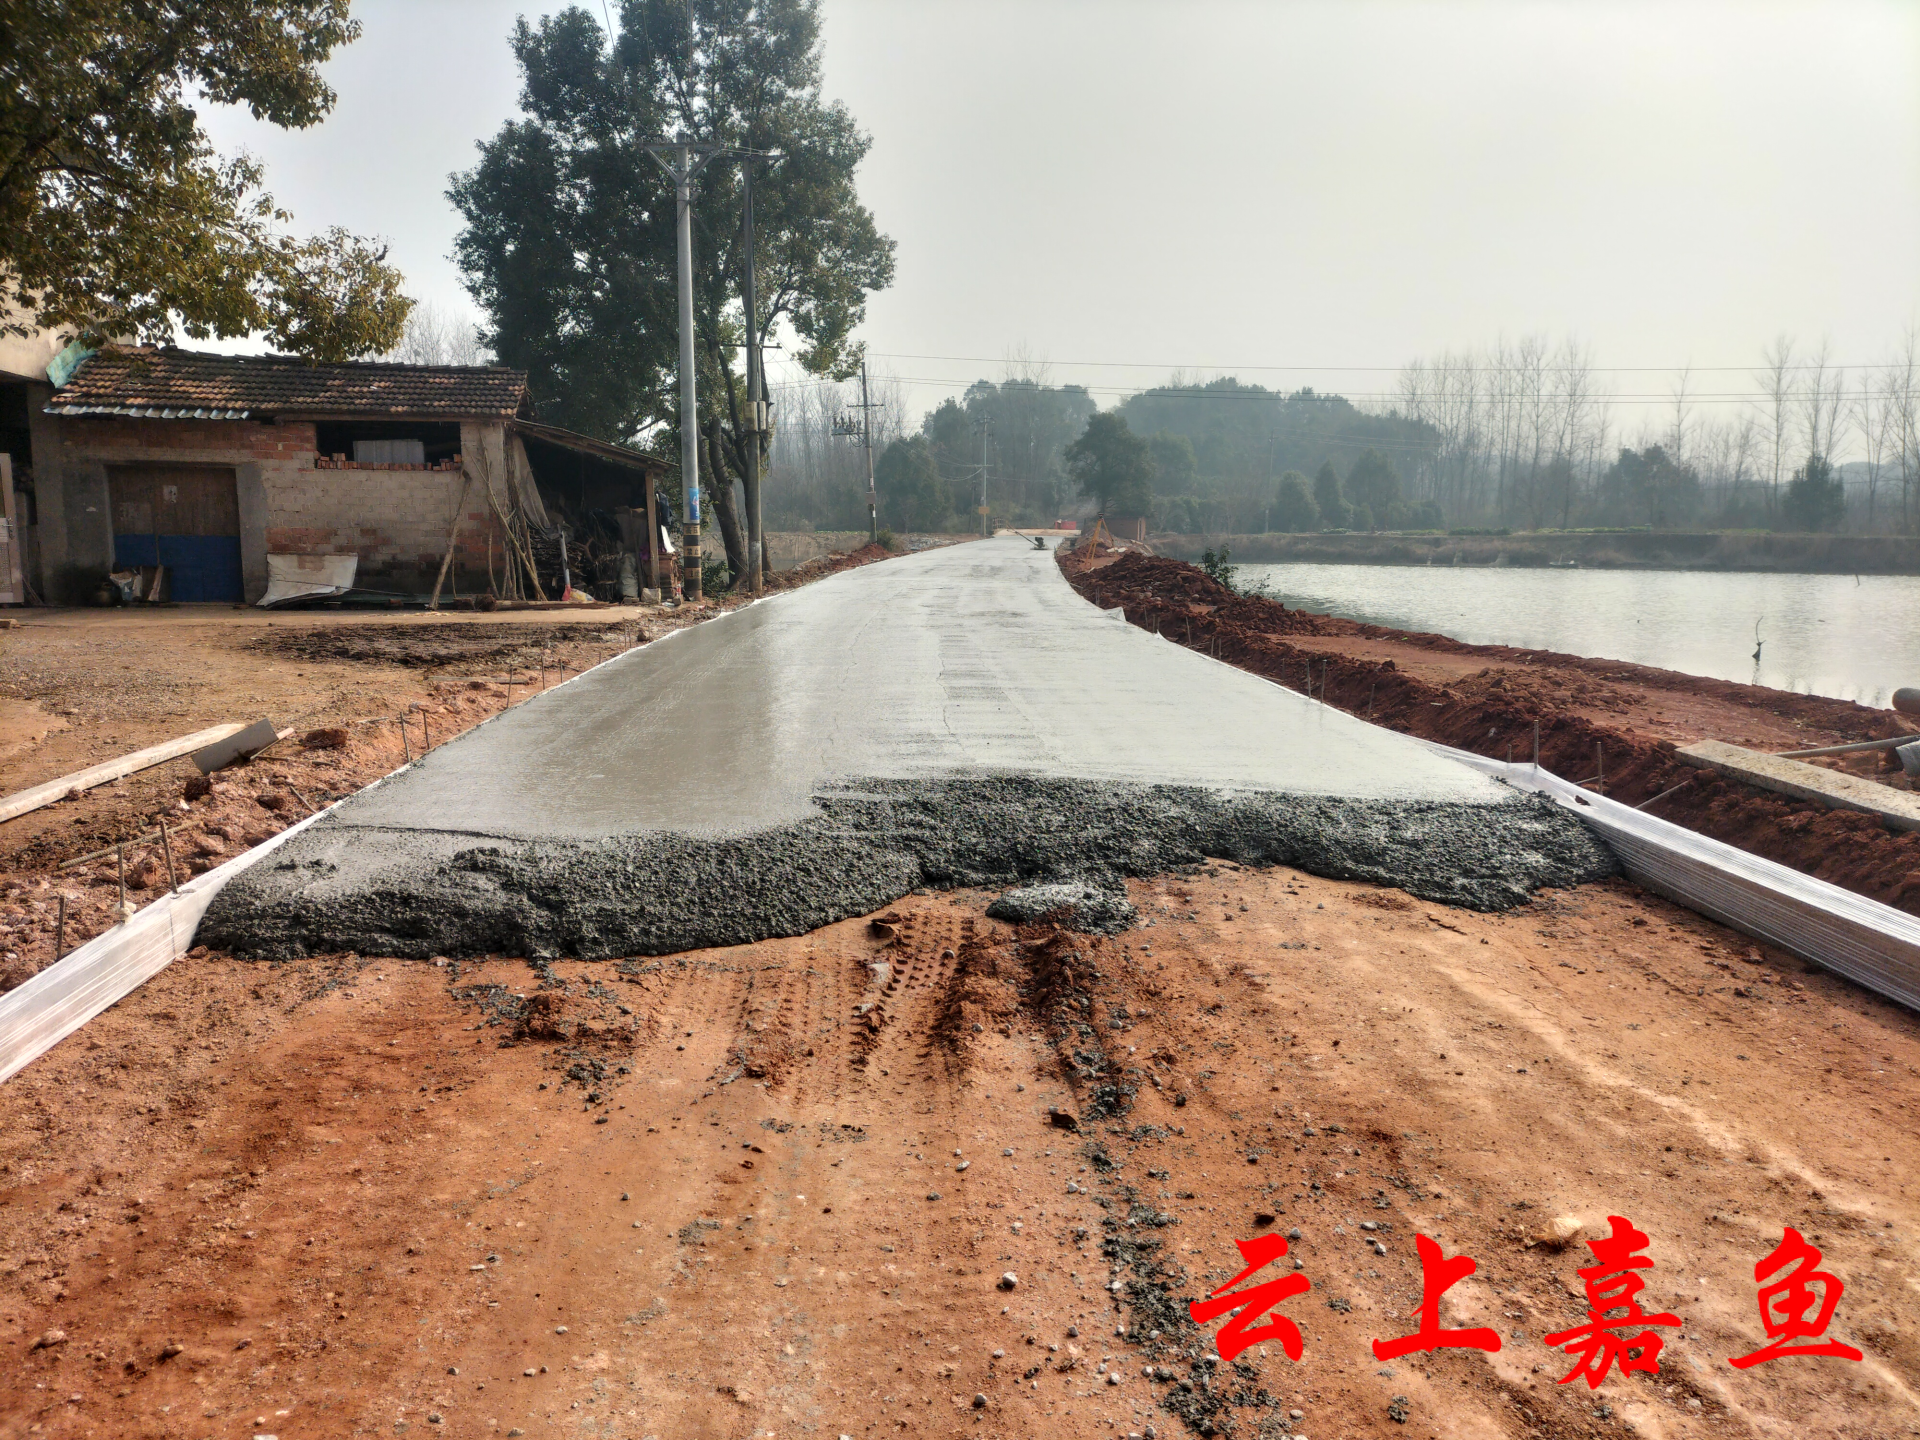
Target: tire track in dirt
{"x": 460, "y": 1215}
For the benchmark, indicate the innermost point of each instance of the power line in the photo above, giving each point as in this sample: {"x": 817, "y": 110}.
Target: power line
{"x": 1373, "y": 369}
{"x": 1281, "y": 397}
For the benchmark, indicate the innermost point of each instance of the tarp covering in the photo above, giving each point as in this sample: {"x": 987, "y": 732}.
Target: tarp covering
{"x": 308, "y": 577}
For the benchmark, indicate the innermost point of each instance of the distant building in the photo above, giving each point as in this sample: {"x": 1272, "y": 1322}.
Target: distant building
{"x": 206, "y": 464}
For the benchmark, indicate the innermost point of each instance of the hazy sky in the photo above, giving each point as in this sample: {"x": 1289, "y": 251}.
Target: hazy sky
{"x": 1290, "y": 192}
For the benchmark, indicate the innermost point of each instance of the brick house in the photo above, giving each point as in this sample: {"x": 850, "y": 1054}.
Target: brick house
{"x": 209, "y": 463}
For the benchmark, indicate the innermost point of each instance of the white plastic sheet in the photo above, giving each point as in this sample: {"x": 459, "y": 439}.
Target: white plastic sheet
{"x": 38, "y": 1015}
{"x": 1871, "y": 944}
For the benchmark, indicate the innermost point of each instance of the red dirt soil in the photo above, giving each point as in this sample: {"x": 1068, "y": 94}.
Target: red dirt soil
{"x": 764, "y": 1191}
{"x": 1628, "y": 719}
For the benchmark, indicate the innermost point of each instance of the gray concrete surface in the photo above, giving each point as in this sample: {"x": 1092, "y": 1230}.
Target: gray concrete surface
{"x": 1835, "y": 788}
{"x": 959, "y": 716}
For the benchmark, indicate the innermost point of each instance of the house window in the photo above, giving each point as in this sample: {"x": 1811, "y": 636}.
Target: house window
{"x": 389, "y": 452}
{"x": 387, "y": 444}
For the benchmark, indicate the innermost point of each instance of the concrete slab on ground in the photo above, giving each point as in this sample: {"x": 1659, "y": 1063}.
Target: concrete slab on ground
{"x": 1806, "y": 782}
{"x": 959, "y": 716}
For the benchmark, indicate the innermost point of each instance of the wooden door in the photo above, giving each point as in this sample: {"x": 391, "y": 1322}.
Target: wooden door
{"x": 185, "y": 517}
{"x": 13, "y": 588}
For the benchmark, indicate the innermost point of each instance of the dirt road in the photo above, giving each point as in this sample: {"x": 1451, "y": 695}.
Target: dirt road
{"x": 718, "y": 1195}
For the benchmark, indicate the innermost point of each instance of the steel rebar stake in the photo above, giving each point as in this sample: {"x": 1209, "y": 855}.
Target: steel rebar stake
{"x": 166, "y": 848}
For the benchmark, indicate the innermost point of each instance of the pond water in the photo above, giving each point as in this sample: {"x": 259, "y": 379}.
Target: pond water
{"x": 1851, "y": 638}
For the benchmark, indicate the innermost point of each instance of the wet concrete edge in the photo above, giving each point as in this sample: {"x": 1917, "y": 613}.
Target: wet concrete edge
{"x": 421, "y": 893}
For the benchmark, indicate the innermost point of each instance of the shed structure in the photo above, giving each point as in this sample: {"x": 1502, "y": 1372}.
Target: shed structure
{"x": 206, "y": 464}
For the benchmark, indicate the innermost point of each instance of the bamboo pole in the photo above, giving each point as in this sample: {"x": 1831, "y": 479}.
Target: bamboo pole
{"x": 453, "y": 536}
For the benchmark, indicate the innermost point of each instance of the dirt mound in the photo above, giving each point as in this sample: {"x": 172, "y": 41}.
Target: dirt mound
{"x": 416, "y": 645}
{"x": 827, "y": 565}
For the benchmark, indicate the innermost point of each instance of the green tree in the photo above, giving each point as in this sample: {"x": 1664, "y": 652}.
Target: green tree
{"x": 1029, "y": 425}
{"x": 1294, "y": 508}
{"x": 1177, "y": 515}
{"x": 1648, "y": 487}
{"x": 1374, "y": 483}
{"x": 1816, "y": 499}
{"x": 1112, "y": 465}
{"x": 912, "y": 494}
{"x": 116, "y": 216}
{"x": 1335, "y": 513}
{"x": 1174, "y": 464}
{"x": 569, "y": 241}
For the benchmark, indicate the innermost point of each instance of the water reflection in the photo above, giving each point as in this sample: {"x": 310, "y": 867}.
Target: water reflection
{"x": 1850, "y": 637}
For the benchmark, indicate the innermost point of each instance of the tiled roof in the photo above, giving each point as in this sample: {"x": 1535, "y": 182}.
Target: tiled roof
{"x": 186, "y": 384}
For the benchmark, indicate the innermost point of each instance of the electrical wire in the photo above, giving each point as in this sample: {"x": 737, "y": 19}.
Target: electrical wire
{"x": 1366, "y": 369}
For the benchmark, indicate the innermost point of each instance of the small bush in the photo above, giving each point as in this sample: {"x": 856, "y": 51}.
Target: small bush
{"x": 887, "y": 540}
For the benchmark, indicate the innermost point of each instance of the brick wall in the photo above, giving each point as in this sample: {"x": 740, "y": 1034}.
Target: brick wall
{"x": 395, "y": 520}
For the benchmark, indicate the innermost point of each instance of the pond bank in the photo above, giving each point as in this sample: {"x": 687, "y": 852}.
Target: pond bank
{"x": 1623, "y": 550}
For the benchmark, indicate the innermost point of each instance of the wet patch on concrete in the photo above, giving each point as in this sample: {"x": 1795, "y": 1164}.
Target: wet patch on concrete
{"x": 416, "y": 893}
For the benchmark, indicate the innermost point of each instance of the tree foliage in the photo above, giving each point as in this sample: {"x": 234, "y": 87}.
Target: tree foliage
{"x": 1294, "y": 508}
{"x": 1112, "y": 465}
{"x": 1816, "y": 499}
{"x": 1374, "y": 483}
{"x": 1328, "y": 494}
{"x": 1028, "y": 426}
{"x": 569, "y": 243}
{"x": 1174, "y": 464}
{"x": 1649, "y": 487}
{"x": 912, "y": 493}
{"x": 116, "y": 216}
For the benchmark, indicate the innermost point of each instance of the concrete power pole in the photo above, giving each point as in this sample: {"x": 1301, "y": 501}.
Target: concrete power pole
{"x": 689, "y": 159}
{"x": 756, "y": 424}
{"x": 985, "y": 427}
{"x": 862, "y": 430}
{"x": 866, "y": 438}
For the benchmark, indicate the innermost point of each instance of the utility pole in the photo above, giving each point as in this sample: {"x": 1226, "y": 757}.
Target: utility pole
{"x": 866, "y": 439}
{"x": 985, "y": 426}
{"x": 689, "y": 159}
{"x": 756, "y": 410}
{"x": 862, "y": 430}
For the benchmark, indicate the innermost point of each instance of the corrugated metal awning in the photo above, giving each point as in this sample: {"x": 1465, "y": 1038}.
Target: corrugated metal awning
{"x": 587, "y": 445}
{"x": 149, "y": 412}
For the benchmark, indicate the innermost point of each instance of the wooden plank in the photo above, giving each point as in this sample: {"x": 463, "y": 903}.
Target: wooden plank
{"x": 1806, "y": 782}
{"x": 24, "y": 801}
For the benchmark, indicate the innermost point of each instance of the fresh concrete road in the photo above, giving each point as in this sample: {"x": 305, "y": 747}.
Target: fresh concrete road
{"x": 957, "y": 716}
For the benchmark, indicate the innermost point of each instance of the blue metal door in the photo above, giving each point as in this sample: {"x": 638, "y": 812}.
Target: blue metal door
{"x": 185, "y": 517}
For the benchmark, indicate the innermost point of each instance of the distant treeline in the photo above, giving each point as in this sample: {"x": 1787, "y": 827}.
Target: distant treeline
{"x": 1521, "y": 436}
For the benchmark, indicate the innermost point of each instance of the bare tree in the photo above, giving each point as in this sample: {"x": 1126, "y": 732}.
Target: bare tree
{"x": 1775, "y": 379}
{"x": 1901, "y": 377}
{"x": 1677, "y": 437}
{"x": 1875, "y": 408}
{"x": 1023, "y": 367}
{"x": 1822, "y": 400}
{"x": 434, "y": 337}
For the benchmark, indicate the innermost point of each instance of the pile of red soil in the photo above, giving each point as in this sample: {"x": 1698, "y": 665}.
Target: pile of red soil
{"x": 1494, "y": 711}
{"x": 828, "y": 565}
